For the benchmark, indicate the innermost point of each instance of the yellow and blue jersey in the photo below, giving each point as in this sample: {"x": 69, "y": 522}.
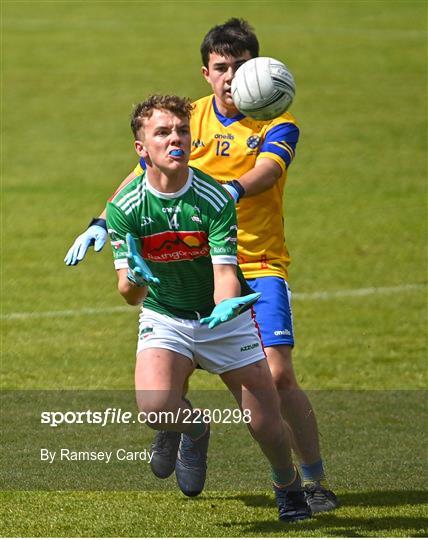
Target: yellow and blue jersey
{"x": 226, "y": 148}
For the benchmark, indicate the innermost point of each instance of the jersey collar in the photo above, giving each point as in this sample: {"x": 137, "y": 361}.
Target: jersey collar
{"x": 224, "y": 120}
{"x": 179, "y": 193}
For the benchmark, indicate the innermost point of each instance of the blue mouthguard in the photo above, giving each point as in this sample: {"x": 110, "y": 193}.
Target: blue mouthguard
{"x": 177, "y": 153}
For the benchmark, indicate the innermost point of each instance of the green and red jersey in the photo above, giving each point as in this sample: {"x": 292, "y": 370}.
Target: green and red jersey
{"x": 180, "y": 235}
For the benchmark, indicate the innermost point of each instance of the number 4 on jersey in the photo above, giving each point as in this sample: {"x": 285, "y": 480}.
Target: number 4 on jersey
{"x": 173, "y": 221}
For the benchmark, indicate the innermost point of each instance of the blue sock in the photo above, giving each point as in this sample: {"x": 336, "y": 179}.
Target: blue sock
{"x": 313, "y": 472}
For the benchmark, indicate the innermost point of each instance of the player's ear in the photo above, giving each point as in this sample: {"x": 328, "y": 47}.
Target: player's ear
{"x": 140, "y": 148}
{"x": 206, "y": 73}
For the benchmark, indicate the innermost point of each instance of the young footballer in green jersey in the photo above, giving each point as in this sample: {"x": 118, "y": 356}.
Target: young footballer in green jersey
{"x": 173, "y": 235}
{"x": 251, "y": 158}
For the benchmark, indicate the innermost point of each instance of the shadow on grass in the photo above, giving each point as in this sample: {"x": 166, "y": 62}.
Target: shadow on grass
{"x": 339, "y": 526}
{"x": 345, "y": 525}
{"x": 365, "y": 498}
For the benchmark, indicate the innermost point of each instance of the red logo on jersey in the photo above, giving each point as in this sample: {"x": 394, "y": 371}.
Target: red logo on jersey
{"x": 170, "y": 246}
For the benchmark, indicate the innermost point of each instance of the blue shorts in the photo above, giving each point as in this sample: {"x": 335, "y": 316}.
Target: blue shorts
{"x": 273, "y": 310}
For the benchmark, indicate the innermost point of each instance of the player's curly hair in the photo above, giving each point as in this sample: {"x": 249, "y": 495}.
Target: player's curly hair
{"x": 230, "y": 39}
{"x": 177, "y": 105}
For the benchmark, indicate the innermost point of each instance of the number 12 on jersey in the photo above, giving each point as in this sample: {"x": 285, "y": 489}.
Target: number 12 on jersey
{"x": 222, "y": 148}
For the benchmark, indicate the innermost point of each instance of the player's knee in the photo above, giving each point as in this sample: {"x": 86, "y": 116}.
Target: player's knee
{"x": 268, "y": 433}
{"x": 157, "y": 409}
{"x": 266, "y": 423}
{"x": 284, "y": 379}
{"x": 281, "y": 367}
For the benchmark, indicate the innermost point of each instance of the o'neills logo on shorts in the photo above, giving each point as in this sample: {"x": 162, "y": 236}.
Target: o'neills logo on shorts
{"x": 170, "y": 246}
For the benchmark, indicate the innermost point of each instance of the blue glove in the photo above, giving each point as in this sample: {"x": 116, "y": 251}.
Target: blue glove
{"x": 229, "y": 309}
{"x": 95, "y": 234}
{"x": 235, "y": 189}
{"x": 138, "y": 271}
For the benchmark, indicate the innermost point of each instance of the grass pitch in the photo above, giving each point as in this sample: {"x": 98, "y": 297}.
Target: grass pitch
{"x": 355, "y": 223}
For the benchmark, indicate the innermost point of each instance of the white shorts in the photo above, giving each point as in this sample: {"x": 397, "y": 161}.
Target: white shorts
{"x": 231, "y": 345}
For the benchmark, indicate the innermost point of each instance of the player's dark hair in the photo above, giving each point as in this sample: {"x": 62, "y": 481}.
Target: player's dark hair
{"x": 177, "y": 105}
{"x": 232, "y": 38}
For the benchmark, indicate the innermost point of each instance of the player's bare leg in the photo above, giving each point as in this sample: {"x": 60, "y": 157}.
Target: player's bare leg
{"x": 295, "y": 405}
{"x": 253, "y": 389}
{"x": 300, "y": 416}
{"x": 160, "y": 378}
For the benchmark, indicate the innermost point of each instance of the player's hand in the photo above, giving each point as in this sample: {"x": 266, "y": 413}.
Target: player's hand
{"x": 95, "y": 234}
{"x": 138, "y": 271}
{"x": 235, "y": 189}
{"x": 229, "y": 309}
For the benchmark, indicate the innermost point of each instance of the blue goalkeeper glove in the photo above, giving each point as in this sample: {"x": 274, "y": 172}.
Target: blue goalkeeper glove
{"x": 138, "y": 271}
{"x": 229, "y": 309}
{"x": 235, "y": 189}
{"x": 95, "y": 234}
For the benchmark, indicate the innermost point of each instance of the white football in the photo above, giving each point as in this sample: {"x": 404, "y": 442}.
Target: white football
{"x": 263, "y": 88}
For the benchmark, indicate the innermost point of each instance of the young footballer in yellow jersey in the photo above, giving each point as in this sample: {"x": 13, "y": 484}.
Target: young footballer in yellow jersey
{"x": 251, "y": 159}
{"x": 234, "y": 146}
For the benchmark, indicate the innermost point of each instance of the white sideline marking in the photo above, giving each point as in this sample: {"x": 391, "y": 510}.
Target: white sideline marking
{"x": 326, "y": 295}
{"x": 320, "y": 295}
{"x": 64, "y": 313}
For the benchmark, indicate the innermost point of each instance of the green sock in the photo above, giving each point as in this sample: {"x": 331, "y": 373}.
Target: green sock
{"x": 197, "y": 429}
{"x": 286, "y": 478}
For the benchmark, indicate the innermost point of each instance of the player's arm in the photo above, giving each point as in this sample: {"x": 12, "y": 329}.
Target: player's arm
{"x": 95, "y": 234}
{"x": 133, "y": 274}
{"x": 262, "y": 177}
{"x": 275, "y": 156}
{"x": 125, "y": 182}
{"x": 226, "y": 295}
{"x": 227, "y": 287}
{"x": 227, "y": 290}
{"x": 133, "y": 281}
{"x": 131, "y": 292}
{"x": 226, "y": 283}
